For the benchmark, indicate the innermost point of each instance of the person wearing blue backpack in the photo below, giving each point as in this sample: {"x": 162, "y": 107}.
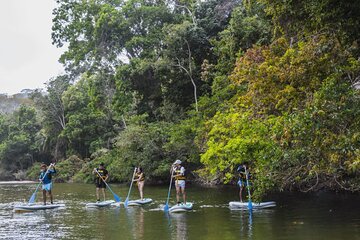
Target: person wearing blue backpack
{"x": 45, "y": 177}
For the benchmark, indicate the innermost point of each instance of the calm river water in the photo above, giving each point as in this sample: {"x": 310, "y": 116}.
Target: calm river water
{"x": 297, "y": 216}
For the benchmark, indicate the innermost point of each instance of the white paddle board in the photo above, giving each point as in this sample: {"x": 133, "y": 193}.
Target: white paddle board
{"x": 244, "y": 205}
{"x": 100, "y": 204}
{"x": 35, "y": 207}
{"x": 181, "y": 207}
{"x": 139, "y": 202}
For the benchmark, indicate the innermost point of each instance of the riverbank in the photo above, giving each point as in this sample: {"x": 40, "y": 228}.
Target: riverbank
{"x": 16, "y": 182}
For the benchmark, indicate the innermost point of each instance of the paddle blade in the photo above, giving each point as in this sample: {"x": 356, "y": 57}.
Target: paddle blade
{"x": 166, "y": 208}
{"x": 32, "y": 198}
{"x": 117, "y": 198}
{"x": 126, "y": 202}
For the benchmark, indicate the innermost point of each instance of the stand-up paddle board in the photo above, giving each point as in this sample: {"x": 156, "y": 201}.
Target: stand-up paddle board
{"x": 35, "y": 207}
{"x": 244, "y": 205}
{"x": 181, "y": 207}
{"x": 100, "y": 204}
{"x": 139, "y": 202}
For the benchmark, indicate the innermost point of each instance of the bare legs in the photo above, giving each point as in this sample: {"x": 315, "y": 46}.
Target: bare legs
{"x": 103, "y": 193}
{"x": 240, "y": 193}
{"x": 44, "y": 196}
{"x": 141, "y": 189}
{"x": 181, "y": 190}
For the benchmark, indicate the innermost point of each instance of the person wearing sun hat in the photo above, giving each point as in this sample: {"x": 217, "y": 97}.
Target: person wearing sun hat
{"x": 179, "y": 175}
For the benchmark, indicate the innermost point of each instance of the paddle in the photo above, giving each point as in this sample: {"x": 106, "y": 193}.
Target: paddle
{"x": 127, "y": 198}
{"x": 248, "y": 187}
{"x": 166, "y": 208}
{"x": 116, "y": 197}
{"x": 33, "y": 196}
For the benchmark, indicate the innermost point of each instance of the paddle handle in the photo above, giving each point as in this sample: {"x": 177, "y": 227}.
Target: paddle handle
{"x": 248, "y": 188}
{"x": 132, "y": 180}
{"x": 171, "y": 179}
{"x": 102, "y": 178}
{"x": 42, "y": 179}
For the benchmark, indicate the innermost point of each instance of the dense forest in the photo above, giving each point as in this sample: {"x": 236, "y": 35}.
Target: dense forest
{"x": 214, "y": 83}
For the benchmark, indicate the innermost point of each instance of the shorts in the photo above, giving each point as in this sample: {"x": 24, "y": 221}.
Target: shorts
{"x": 100, "y": 184}
{"x": 180, "y": 183}
{"x": 47, "y": 187}
{"x": 241, "y": 183}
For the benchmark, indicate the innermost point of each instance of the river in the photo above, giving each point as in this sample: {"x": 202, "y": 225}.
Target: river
{"x": 296, "y": 216}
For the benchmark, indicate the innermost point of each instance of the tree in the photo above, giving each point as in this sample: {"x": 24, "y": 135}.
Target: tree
{"x": 52, "y": 110}
{"x": 19, "y": 147}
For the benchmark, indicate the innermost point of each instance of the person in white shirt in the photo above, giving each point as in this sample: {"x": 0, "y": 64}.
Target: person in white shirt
{"x": 179, "y": 175}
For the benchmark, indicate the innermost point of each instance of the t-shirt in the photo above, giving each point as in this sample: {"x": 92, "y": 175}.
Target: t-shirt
{"x": 103, "y": 173}
{"x": 48, "y": 176}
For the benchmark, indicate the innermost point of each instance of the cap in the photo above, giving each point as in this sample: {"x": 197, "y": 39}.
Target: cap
{"x": 177, "y": 161}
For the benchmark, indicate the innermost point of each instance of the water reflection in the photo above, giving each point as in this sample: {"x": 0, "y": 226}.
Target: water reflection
{"x": 297, "y": 217}
{"x": 250, "y": 225}
{"x": 179, "y": 230}
{"x": 245, "y": 220}
{"x": 41, "y": 224}
{"x": 135, "y": 216}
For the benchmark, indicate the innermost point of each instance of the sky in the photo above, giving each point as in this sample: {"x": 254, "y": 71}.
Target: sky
{"x": 27, "y": 57}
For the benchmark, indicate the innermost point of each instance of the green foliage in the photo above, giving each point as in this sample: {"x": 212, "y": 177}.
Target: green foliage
{"x": 19, "y": 145}
{"x": 52, "y": 115}
{"x": 214, "y": 83}
{"x": 248, "y": 26}
{"x": 33, "y": 172}
{"x": 68, "y": 168}
{"x": 327, "y": 16}
{"x": 297, "y": 123}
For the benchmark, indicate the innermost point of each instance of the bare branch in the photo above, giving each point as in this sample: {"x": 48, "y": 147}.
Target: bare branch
{"x": 190, "y": 13}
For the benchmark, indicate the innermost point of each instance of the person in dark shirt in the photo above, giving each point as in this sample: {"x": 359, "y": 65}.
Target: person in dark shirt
{"x": 242, "y": 171}
{"x": 101, "y": 176}
{"x": 45, "y": 177}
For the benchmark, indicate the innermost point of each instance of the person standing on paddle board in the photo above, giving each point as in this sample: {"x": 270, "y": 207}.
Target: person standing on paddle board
{"x": 140, "y": 181}
{"x": 179, "y": 175}
{"x": 242, "y": 178}
{"x": 100, "y": 180}
{"x": 45, "y": 177}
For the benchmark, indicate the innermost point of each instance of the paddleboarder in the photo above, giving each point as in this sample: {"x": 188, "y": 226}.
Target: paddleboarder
{"x": 242, "y": 169}
{"x": 140, "y": 181}
{"x": 100, "y": 180}
{"x": 179, "y": 176}
{"x": 45, "y": 178}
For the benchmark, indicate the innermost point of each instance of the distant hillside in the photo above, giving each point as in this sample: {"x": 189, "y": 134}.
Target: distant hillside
{"x": 9, "y": 103}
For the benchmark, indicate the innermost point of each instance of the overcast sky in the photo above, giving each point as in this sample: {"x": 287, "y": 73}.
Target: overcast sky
{"x": 27, "y": 58}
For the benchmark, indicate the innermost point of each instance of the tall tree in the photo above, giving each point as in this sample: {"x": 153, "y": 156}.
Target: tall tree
{"x": 53, "y": 117}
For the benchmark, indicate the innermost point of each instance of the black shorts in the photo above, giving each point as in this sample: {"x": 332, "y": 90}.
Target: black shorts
{"x": 100, "y": 184}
